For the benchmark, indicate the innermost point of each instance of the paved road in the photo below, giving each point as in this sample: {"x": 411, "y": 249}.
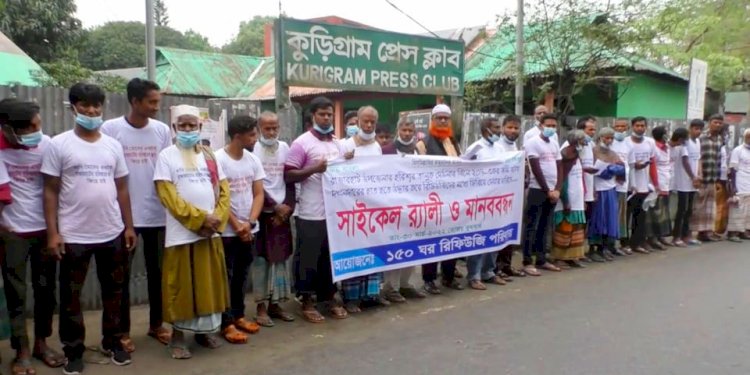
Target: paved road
{"x": 685, "y": 311}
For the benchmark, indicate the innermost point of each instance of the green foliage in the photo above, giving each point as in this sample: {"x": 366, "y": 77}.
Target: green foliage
{"x": 249, "y": 40}
{"x": 161, "y": 18}
{"x": 716, "y": 31}
{"x": 116, "y": 45}
{"x": 42, "y": 28}
{"x": 67, "y": 72}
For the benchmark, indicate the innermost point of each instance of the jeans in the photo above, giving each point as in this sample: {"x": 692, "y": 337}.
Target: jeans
{"x": 481, "y": 266}
{"x": 111, "y": 268}
{"x": 637, "y": 217}
{"x": 538, "y": 216}
{"x": 17, "y": 252}
{"x": 684, "y": 212}
{"x": 239, "y": 256}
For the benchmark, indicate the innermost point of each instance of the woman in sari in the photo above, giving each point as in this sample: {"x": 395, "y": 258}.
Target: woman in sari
{"x": 604, "y": 227}
{"x": 569, "y": 238}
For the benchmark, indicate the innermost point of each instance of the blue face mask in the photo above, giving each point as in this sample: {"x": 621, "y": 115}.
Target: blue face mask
{"x": 620, "y": 136}
{"x": 321, "y": 130}
{"x": 30, "y": 140}
{"x": 270, "y": 142}
{"x": 188, "y": 139}
{"x": 637, "y": 136}
{"x": 352, "y": 130}
{"x": 588, "y": 138}
{"x": 493, "y": 138}
{"x": 89, "y": 123}
{"x": 549, "y": 132}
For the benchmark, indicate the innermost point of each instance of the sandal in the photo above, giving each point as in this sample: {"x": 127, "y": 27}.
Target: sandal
{"x": 161, "y": 335}
{"x": 51, "y": 358}
{"x": 264, "y": 321}
{"x": 531, "y": 271}
{"x": 497, "y": 280}
{"x": 550, "y": 267}
{"x": 22, "y": 367}
{"x": 207, "y": 341}
{"x": 127, "y": 344}
{"x": 278, "y": 313}
{"x": 312, "y": 315}
{"x": 179, "y": 351}
{"x": 477, "y": 285}
{"x": 246, "y": 326}
{"x": 352, "y": 307}
{"x": 338, "y": 312}
{"x": 232, "y": 335}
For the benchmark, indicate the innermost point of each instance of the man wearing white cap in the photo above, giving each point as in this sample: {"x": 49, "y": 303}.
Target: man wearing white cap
{"x": 193, "y": 188}
{"x": 440, "y": 142}
{"x": 539, "y": 112}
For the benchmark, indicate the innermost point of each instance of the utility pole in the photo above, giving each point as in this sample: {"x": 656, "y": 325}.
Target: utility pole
{"x": 519, "y": 59}
{"x": 150, "y": 41}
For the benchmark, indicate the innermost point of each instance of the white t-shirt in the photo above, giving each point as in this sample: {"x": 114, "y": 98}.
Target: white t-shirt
{"x": 587, "y": 161}
{"x": 625, "y": 152}
{"x": 193, "y": 186}
{"x": 575, "y": 189}
{"x": 664, "y": 167}
{"x": 681, "y": 180}
{"x": 601, "y": 184}
{"x": 240, "y": 174}
{"x": 534, "y": 133}
{"x": 641, "y": 153}
{"x": 548, "y": 154}
{"x": 141, "y": 148}
{"x": 273, "y": 164}
{"x": 370, "y": 149}
{"x": 88, "y": 212}
{"x": 740, "y": 162}
{"x": 483, "y": 150}
{"x": 724, "y": 173}
{"x": 22, "y": 168}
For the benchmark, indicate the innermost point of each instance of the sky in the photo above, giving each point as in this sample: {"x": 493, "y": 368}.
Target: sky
{"x": 219, "y": 20}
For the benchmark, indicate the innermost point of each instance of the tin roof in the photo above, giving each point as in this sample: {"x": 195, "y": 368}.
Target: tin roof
{"x": 17, "y": 66}
{"x": 261, "y": 84}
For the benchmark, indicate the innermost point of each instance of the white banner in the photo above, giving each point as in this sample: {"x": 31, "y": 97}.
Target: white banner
{"x": 390, "y": 212}
{"x": 697, "y": 89}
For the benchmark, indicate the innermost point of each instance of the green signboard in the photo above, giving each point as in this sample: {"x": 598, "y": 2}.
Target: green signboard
{"x": 349, "y": 58}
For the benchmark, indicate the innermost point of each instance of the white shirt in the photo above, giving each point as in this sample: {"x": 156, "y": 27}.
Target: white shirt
{"x": 641, "y": 153}
{"x": 681, "y": 181}
{"x": 575, "y": 189}
{"x": 273, "y": 164}
{"x": 587, "y": 161}
{"x": 22, "y": 168}
{"x": 601, "y": 184}
{"x": 241, "y": 174}
{"x": 484, "y": 150}
{"x": 141, "y": 148}
{"x": 664, "y": 167}
{"x": 88, "y": 212}
{"x": 534, "y": 133}
{"x": 724, "y": 172}
{"x": 193, "y": 186}
{"x": 740, "y": 162}
{"x": 548, "y": 154}
{"x": 370, "y": 149}
{"x": 624, "y": 151}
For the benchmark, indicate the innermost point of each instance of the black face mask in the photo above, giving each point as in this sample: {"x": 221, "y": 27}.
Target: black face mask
{"x": 250, "y": 148}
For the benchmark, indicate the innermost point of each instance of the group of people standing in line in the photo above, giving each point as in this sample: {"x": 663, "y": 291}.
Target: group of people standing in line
{"x": 209, "y": 220}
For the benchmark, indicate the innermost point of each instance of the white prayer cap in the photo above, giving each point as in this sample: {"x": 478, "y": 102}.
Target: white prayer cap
{"x": 184, "y": 109}
{"x": 746, "y": 132}
{"x": 441, "y": 108}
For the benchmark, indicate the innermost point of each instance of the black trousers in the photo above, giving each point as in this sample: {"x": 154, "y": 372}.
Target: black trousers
{"x": 153, "y": 250}
{"x": 684, "y": 212}
{"x": 238, "y": 256}
{"x": 16, "y": 253}
{"x": 637, "y": 218}
{"x": 312, "y": 261}
{"x": 537, "y": 219}
{"x": 112, "y": 260}
{"x": 447, "y": 268}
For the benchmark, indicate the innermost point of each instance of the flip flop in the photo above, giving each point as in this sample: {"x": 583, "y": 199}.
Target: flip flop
{"x": 179, "y": 351}
{"x": 313, "y": 316}
{"x": 233, "y": 335}
{"x": 338, "y": 312}
{"x": 281, "y": 314}
{"x": 351, "y": 307}
{"x": 161, "y": 334}
{"x": 22, "y": 367}
{"x": 477, "y": 285}
{"x": 51, "y": 358}
{"x": 264, "y": 321}
{"x": 249, "y": 327}
{"x": 497, "y": 280}
{"x": 207, "y": 341}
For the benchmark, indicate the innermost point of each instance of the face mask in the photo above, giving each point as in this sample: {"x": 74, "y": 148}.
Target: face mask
{"x": 367, "y": 137}
{"x": 637, "y": 136}
{"x": 620, "y": 136}
{"x": 188, "y": 139}
{"x": 89, "y": 123}
{"x": 411, "y": 141}
{"x": 250, "y": 148}
{"x": 270, "y": 142}
{"x": 604, "y": 146}
{"x": 549, "y": 132}
{"x": 321, "y": 130}
{"x": 588, "y": 138}
{"x": 508, "y": 141}
{"x": 493, "y": 138}
{"x": 351, "y": 130}
{"x": 30, "y": 140}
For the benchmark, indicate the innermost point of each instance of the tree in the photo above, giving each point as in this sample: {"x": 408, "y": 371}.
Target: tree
{"x": 716, "y": 31}
{"x": 160, "y": 13}
{"x": 119, "y": 44}
{"x": 67, "y": 72}
{"x": 41, "y": 28}
{"x": 249, "y": 41}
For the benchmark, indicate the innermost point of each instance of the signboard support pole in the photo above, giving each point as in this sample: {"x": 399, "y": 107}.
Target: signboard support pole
{"x": 457, "y": 108}
{"x": 284, "y": 109}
